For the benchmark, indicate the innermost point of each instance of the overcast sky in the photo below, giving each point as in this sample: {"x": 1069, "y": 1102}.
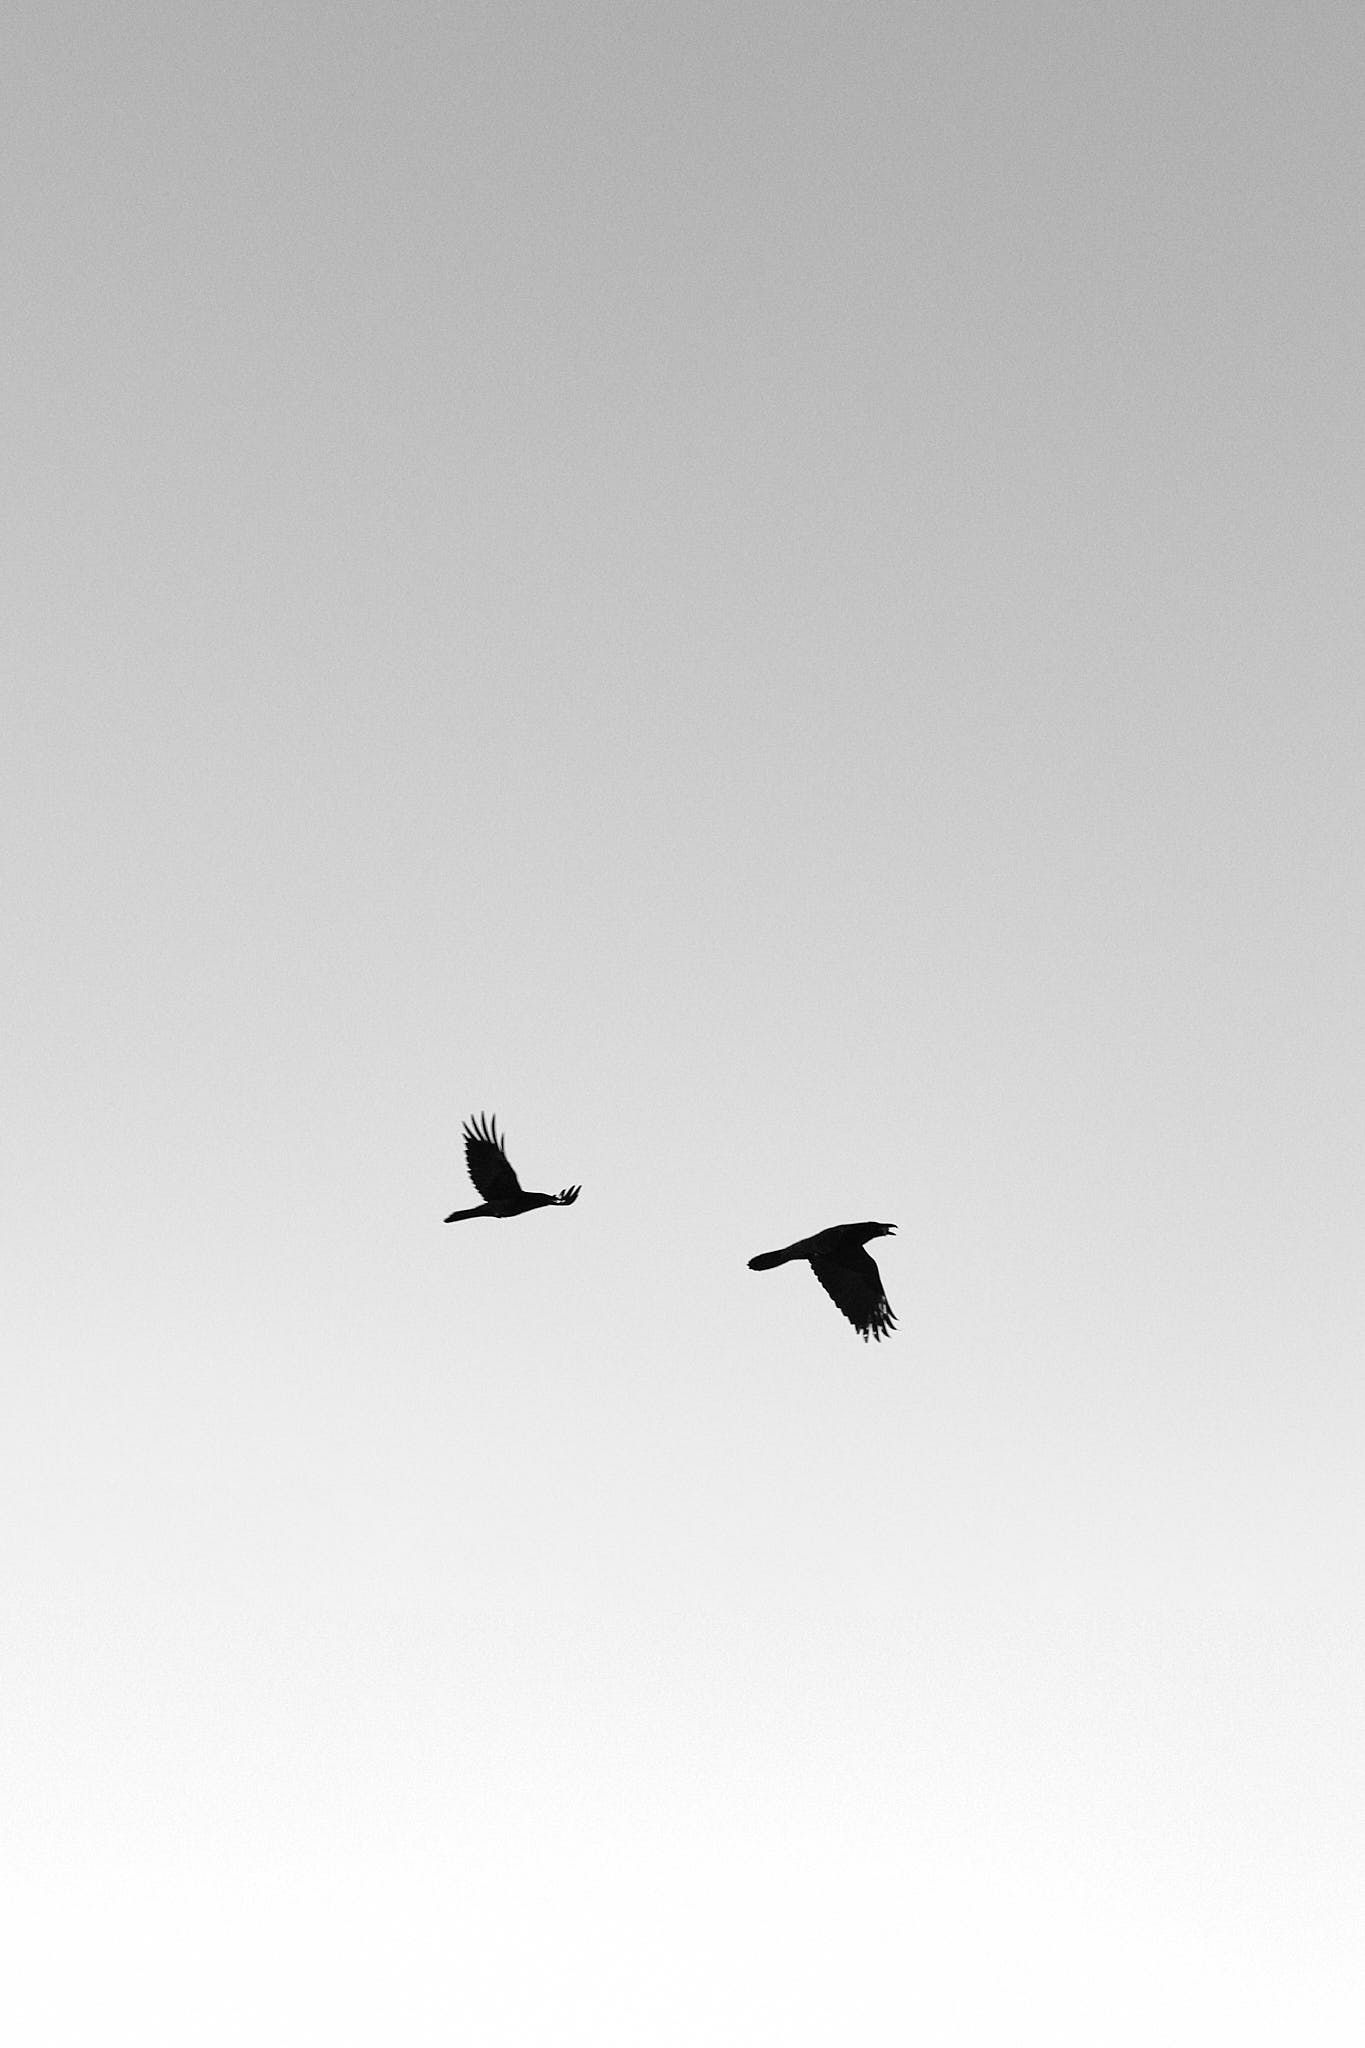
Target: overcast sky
{"x": 773, "y": 595}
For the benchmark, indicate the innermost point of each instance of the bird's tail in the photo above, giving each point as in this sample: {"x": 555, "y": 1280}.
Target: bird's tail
{"x": 458, "y": 1215}
{"x": 766, "y": 1259}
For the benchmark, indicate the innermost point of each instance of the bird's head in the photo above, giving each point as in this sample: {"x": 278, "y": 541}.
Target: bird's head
{"x": 867, "y": 1230}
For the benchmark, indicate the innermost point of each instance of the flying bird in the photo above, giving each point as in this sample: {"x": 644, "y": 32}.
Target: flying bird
{"x": 492, "y": 1174}
{"x": 847, "y": 1272}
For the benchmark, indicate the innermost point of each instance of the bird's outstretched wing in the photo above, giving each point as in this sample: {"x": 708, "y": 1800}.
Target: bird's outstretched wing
{"x": 850, "y": 1278}
{"x": 488, "y": 1165}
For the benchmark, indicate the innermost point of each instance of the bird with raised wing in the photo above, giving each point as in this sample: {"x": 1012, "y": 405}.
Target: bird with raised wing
{"x": 492, "y": 1174}
{"x": 847, "y": 1272}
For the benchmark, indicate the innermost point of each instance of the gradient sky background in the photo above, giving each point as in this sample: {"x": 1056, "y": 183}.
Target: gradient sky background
{"x": 773, "y": 594}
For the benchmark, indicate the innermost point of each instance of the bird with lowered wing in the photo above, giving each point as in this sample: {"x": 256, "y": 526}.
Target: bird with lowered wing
{"x": 847, "y": 1272}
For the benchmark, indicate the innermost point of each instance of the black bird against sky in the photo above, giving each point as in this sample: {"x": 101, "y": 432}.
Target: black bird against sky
{"x": 491, "y": 1173}
{"x": 847, "y": 1272}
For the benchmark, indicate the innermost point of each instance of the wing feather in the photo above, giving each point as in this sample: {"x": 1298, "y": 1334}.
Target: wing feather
{"x": 489, "y": 1168}
{"x": 850, "y": 1278}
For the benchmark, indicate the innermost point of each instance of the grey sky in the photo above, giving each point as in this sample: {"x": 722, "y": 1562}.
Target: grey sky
{"x": 771, "y": 594}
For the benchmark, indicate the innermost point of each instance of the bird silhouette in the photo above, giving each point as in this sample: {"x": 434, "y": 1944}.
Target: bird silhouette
{"x": 492, "y": 1174}
{"x": 847, "y": 1272}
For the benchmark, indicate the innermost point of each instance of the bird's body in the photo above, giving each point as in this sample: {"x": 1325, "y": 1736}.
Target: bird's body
{"x": 492, "y": 1174}
{"x": 847, "y": 1272}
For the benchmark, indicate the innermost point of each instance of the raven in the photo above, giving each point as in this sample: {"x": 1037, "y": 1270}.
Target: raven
{"x": 846, "y": 1271}
{"x": 503, "y": 1194}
